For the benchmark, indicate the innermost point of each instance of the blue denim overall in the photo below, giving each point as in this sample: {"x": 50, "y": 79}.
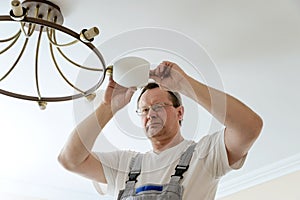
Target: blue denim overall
{"x": 170, "y": 191}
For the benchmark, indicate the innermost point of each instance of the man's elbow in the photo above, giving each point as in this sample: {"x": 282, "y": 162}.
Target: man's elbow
{"x": 65, "y": 162}
{"x": 256, "y": 126}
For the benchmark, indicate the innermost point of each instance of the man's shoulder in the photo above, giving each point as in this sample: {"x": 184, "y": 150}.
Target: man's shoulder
{"x": 209, "y": 142}
{"x": 211, "y": 137}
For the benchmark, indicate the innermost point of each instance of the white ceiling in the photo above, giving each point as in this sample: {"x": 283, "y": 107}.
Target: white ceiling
{"x": 271, "y": 189}
{"x": 254, "y": 45}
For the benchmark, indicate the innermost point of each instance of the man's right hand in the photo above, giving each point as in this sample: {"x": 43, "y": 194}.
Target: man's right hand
{"x": 117, "y": 96}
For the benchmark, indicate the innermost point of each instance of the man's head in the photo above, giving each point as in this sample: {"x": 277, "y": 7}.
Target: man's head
{"x": 160, "y": 110}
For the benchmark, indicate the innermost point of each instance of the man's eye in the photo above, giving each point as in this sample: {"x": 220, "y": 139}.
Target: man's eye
{"x": 144, "y": 110}
{"x": 157, "y": 107}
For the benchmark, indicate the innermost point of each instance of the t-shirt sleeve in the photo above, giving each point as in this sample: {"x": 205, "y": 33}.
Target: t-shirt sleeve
{"x": 213, "y": 150}
{"x": 110, "y": 162}
{"x": 115, "y": 166}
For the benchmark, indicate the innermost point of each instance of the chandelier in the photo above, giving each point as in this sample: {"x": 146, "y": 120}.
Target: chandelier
{"x": 38, "y": 21}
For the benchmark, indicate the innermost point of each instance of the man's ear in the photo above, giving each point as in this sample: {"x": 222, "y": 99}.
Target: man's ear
{"x": 180, "y": 112}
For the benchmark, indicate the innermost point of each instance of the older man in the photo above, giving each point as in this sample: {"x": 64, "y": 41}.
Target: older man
{"x": 176, "y": 168}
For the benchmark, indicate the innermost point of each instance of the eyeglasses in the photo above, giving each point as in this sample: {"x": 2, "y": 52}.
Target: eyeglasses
{"x": 155, "y": 107}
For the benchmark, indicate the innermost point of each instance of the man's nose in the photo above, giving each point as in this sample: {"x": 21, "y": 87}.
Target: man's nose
{"x": 151, "y": 113}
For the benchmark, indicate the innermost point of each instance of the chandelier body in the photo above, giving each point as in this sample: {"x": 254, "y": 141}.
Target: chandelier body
{"x": 45, "y": 18}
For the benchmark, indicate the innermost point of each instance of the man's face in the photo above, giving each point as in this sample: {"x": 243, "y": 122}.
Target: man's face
{"x": 163, "y": 122}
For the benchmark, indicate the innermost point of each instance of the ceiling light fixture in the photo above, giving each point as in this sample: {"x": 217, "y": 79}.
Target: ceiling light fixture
{"x": 45, "y": 19}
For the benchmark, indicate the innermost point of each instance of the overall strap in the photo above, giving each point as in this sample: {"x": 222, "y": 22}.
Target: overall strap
{"x": 183, "y": 164}
{"x": 135, "y": 170}
{"x": 135, "y": 167}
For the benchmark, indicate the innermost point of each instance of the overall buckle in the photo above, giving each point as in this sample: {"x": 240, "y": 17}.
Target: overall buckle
{"x": 180, "y": 169}
{"x": 133, "y": 176}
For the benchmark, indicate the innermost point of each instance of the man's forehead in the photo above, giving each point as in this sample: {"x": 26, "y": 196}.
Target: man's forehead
{"x": 153, "y": 95}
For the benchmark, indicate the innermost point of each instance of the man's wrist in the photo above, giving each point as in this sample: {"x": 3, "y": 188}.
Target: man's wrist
{"x": 104, "y": 111}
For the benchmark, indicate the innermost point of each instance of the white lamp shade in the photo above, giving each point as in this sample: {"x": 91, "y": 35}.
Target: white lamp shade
{"x": 131, "y": 72}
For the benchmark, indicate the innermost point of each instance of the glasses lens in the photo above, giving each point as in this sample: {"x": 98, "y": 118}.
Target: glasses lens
{"x": 156, "y": 108}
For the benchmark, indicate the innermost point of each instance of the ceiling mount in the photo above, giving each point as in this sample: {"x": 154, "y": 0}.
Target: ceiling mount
{"x": 46, "y": 19}
{"x": 44, "y": 10}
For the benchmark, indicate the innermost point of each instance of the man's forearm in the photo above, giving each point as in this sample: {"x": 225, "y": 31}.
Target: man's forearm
{"x": 83, "y": 137}
{"x": 225, "y": 108}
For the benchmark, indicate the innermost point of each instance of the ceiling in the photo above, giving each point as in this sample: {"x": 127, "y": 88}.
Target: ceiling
{"x": 247, "y": 48}
{"x": 278, "y": 188}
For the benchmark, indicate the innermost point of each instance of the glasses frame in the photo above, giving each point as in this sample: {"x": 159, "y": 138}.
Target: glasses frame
{"x": 155, "y": 107}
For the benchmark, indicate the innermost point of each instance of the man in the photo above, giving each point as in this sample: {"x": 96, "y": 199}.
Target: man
{"x": 161, "y": 114}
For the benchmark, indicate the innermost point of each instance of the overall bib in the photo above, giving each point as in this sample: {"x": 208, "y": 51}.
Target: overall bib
{"x": 170, "y": 191}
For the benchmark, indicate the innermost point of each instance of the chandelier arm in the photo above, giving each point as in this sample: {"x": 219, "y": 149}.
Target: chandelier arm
{"x": 71, "y": 61}
{"x": 50, "y": 33}
{"x": 55, "y": 43}
{"x": 76, "y": 64}
{"x": 23, "y": 29}
{"x": 37, "y": 62}
{"x": 69, "y": 32}
{"x": 11, "y": 38}
{"x": 14, "y": 38}
{"x": 60, "y": 72}
{"x": 30, "y": 29}
{"x": 45, "y": 99}
{"x": 17, "y": 60}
